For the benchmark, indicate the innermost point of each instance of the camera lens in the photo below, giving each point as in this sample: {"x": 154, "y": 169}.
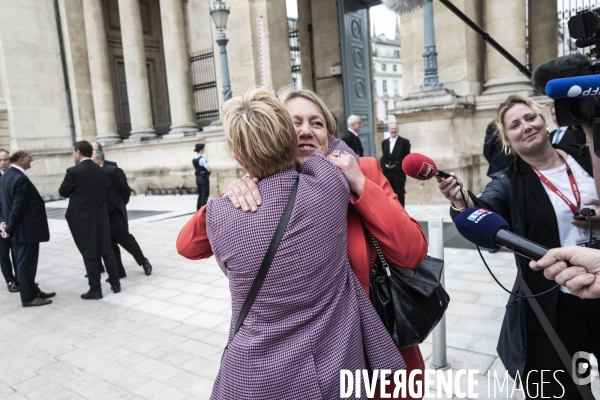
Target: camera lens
{"x": 578, "y": 109}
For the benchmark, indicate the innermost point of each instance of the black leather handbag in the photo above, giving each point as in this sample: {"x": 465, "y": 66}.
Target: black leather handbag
{"x": 410, "y": 302}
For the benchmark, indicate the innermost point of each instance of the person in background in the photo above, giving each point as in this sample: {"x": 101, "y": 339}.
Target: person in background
{"x": 351, "y": 137}
{"x": 98, "y": 146}
{"x": 6, "y": 265}
{"x": 118, "y": 194}
{"x": 202, "y": 171}
{"x": 394, "y": 149}
{"x": 85, "y": 185}
{"x": 24, "y": 222}
{"x": 493, "y": 152}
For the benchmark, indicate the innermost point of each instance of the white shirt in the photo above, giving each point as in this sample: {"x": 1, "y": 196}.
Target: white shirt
{"x": 19, "y": 168}
{"x": 569, "y": 234}
{"x": 355, "y": 134}
{"x": 393, "y": 143}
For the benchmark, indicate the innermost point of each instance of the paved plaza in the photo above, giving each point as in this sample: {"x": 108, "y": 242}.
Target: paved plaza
{"x": 163, "y": 335}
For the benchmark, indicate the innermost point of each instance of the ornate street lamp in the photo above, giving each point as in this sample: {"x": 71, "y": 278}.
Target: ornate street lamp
{"x": 219, "y": 13}
{"x": 432, "y": 81}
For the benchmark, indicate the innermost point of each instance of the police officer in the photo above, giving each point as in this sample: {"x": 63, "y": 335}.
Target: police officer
{"x": 202, "y": 174}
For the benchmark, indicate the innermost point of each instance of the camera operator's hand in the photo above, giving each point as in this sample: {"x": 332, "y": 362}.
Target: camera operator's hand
{"x": 583, "y": 279}
{"x": 584, "y": 223}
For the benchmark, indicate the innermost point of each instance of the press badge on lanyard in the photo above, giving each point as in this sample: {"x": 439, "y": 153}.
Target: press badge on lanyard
{"x": 592, "y": 242}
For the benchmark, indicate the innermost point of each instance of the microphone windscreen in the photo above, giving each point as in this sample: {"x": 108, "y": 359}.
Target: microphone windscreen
{"x": 479, "y": 226}
{"x": 403, "y": 6}
{"x": 561, "y": 67}
{"x": 581, "y": 86}
{"x": 419, "y": 167}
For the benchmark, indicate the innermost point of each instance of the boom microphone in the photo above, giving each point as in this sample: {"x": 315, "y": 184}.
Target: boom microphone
{"x": 487, "y": 229}
{"x": 562, "y": 67}
{"x": 403, "y": 6}
{"x": 421, "y": 167}
{"x": 580, "y": 86}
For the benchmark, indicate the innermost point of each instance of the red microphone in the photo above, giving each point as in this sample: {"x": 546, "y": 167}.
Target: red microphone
{"x": 421, "y": 167}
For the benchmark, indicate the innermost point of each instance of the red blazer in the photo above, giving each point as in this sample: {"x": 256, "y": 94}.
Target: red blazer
{"x": 400, "y": 237}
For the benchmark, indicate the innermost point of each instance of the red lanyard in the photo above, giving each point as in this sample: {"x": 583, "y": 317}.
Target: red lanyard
{"x": 558, "y": 192}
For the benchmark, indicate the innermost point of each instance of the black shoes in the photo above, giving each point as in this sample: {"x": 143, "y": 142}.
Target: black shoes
{"x": 92, "y": 295}
{"x": 13, "y": 287}
{"x": 37, "y": 302}
{"x": 116, "y": 289}
{"x": 42, "y": 295}
{"x": 147, "y": 267}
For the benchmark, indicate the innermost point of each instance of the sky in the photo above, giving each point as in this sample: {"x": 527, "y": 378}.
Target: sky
{"x": 384, "y": 19}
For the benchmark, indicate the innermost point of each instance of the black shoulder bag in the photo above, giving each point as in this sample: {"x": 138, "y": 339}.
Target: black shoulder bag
{"x": 266, "y": 263}
{"x": 410, "y": 302}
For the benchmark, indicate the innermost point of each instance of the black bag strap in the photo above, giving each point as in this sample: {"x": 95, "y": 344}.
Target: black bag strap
{"x": 266, "y": 263}
{"x": 584, "y": 390}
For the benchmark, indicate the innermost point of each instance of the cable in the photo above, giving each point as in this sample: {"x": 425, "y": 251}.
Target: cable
{"x": 505, "y": 289}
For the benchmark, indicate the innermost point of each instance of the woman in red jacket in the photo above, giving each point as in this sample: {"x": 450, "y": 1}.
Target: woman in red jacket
{"x": 372, "y": 202}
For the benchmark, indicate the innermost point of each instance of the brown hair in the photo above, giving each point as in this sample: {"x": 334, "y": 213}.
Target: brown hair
{"x": 509, "y": 103}
{"x": 260, "y": 132}
{"x": 290, "y": 92}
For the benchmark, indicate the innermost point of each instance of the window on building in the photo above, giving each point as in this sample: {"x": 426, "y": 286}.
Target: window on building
{"x": 395, "y": 87}
{"x": 384, "y": 82}
{"x": 385, "y": 107}
{"x": 397, "y": 53}
{"x": 384, "y": 67}
{"x": 394, "y": 68}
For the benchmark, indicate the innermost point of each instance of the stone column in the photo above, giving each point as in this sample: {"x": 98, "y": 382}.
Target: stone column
{"x": 136, "y": 71}
{"x": 543, "y": 32}
{"x": 178, "y": 68}
{"x": 505, "y": 22}
{"x": 102, "y": 87}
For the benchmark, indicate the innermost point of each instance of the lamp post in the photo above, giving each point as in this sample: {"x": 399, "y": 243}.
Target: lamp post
{"x": 432, "y": 81}
{"x": 219, "y": 13}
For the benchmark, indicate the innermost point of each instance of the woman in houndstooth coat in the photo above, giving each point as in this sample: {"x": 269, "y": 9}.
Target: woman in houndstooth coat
{"x": 311, "y": 317}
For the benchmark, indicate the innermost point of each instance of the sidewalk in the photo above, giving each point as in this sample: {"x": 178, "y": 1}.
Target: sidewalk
{"x": 163, "y": 335}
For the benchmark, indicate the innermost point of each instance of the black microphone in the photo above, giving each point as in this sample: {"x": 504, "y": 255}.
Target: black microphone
{"x": 562, "y": 67}
{"x": 403, "y": 6}
{"x": 489, "y": 230}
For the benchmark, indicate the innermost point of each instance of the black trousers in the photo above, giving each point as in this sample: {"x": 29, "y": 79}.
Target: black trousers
{"x": 26, "y": 259}
{"x": 5, "y": 264}
{"x": 397, "y": 182}
{"x": 203, "y": 186}
{"x": 578, "y": 327}
{"x": 119, "y": 231}
{"x": 92, "y": 267}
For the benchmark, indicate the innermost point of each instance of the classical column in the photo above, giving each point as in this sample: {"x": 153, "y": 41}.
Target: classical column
{"x": 136, "y": 72}
{"x": 505, "y": 22}
{"x": 543, "y": 32}
{"x": 178, "y": 68}
{"x": 102, "y": 87}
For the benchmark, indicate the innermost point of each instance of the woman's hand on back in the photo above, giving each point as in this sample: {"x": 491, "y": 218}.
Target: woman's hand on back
{"x": 349, "y": 167}
{"x": 244, "y": 193}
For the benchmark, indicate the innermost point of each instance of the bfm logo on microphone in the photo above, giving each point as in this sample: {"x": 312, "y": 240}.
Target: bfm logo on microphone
{"x": 577, "y": 90}
{"x": 426, "y": 171}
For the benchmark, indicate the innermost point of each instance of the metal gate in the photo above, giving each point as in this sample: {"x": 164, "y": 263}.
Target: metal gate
{"x": 356, "y": 67}
{"x": 205, "y": 84}
{"x": 566, "y": 9}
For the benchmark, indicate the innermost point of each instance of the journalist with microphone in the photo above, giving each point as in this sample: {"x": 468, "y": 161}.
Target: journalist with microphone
{"x": 538, "y": 195}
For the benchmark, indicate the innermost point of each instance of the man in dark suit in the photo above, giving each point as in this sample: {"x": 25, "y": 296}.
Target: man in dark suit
{"x": 85, "y": 185}
{"x": 394, "y": 149}
{"x": 351, "y": 137}
{"x": 6, "y": 244}
{"x": 493, "y": 151}
{"x": 24, "y": 222}
{"x": 98, "y": 146}
{"x": 117, "y": 198}
{"x": 563, "y": 135}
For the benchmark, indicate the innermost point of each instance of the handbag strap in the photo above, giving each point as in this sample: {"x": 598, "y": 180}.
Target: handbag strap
{"x": 266, "y": 263}
{"x": 384, "y": 264}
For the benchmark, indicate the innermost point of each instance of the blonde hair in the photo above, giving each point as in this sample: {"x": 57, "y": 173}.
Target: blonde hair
{"x": 260, "y": 132}
{"x": 509, "y": 103}
{"x": 290, "y": 92}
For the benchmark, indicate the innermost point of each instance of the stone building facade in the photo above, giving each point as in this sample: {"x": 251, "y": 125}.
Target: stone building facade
{"x": 387, "y": 73}
{"x": 122, "y": 75}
